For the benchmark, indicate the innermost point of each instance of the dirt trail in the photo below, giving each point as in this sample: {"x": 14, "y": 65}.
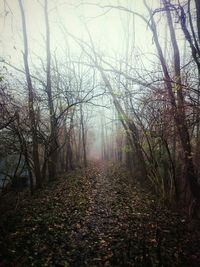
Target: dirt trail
{"x": 99, "y": 216}
{"x": 97, "y": 225}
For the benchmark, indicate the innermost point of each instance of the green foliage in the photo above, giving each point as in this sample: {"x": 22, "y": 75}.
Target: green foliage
{"x": 127, "y": 149}
{"x": 117, "y": 93}
{"x": 123, "y": 117}
{"x": 176, "y": 85}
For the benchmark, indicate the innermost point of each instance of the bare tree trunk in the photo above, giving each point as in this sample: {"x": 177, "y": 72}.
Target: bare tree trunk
{"x": 69, "y": 153}
{"x": 180, "y": 113}
{"x": 32, "y": 118}
{"x": 52, "y": 165}
{"x": 103, "y": 152}
{"x": 177, "y": 108}
{"x": 25, "y": 153}
{"x": 130, "y": 128}
{"x": 83, "y": 137}
{"x": 192, "y": 41}
{"x": 197, "y": 3}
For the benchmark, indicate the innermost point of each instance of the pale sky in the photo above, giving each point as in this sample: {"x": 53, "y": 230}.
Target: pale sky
{"x": 112, "y": 32}
{"x": 108, "y": 31}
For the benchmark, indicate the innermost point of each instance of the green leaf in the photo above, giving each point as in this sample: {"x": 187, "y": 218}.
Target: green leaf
{"x": 127, "y": 149}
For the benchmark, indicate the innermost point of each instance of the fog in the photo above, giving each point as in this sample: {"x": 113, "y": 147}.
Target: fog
{"x": 106, "y": 28}
{"x": 100, "y": 115}
{"x": 116, "y": 35}
{"x": 78, "y": 18}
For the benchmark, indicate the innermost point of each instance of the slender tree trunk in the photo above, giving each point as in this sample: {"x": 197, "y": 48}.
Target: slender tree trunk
{"x": 102, "y": 140}
{"x": 32, "y": 118}
{"x": 177, "y": 108}
{"x": 180, "y": 113}
{"x": 69, "y": 153}
{"x": 52, "y": 165}
{"x": 197, "y": 3}
{"x": 129, "y": 127}
{"x": 83, "y": 137}
{"x": 25, "y": 153}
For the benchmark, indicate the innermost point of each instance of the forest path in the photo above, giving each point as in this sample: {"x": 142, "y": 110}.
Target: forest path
{"x": 98, "y": 216}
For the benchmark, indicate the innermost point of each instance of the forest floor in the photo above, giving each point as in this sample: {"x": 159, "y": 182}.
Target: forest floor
{"x": 98, "y": 216}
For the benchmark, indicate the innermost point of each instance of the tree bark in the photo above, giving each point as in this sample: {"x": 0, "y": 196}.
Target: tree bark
{"x": 130, "y": 128}
{"x": 180, "y": 116}
{"x": 178, "y": 108}
{"x": 32, "y": 118}
{"x": 197, "y": 3}
{"x": 69, "y": 153}
{"x": 83, "y": 137}
{"x": 52, "y": 164}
